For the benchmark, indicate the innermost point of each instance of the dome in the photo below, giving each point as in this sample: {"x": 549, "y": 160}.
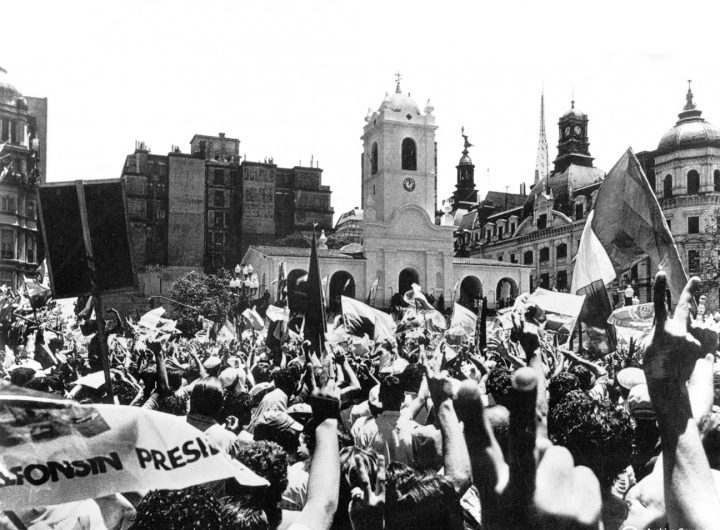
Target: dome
{"x": 688, "y": 133}
{"x": 8, "y": 93}
{"x": 691, "y": 130}
{"x": 401, "y": 104}
{"x": 574, "y": 113}
{"x": 465, "y": 160}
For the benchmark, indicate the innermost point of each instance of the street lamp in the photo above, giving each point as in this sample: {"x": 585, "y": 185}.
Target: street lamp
{"x": 238, "y": 270}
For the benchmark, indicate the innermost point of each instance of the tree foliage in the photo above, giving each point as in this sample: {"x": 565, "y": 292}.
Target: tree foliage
{"x": 210, "y": 293}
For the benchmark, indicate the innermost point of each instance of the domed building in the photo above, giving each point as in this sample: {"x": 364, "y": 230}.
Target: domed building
{"x": 685, "y": 173}
{"x": 23, "y": 133}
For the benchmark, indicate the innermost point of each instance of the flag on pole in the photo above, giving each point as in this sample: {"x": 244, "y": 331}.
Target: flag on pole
{"x": 463, "y": 318}
{"x": 361, "y": 319}
{"x": 416, "y": 299}
{"x": 629, "y": 223}
{"x": 593, "y": 270}
{"x": 315, "y": 324}
{"x": 254, "y": 319}
{"x": 90, "y": 451}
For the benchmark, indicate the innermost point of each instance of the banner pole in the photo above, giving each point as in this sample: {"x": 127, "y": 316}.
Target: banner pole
{"x": 97, "y": 299}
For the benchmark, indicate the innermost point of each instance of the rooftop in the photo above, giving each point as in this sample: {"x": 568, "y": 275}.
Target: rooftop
{"x": 298, "y": 252}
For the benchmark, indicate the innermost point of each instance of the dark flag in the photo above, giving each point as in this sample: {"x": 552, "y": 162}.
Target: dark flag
{"x": 629, "y": 223}
{"x": 315, "y": 324}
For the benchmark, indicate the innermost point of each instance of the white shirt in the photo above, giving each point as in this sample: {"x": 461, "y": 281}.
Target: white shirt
{"x": 389, "y": 434}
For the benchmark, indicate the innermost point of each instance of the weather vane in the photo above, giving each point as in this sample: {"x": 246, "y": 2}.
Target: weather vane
{"x": 398, "y": 77}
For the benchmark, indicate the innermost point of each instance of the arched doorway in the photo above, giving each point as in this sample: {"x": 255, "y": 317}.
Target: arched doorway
{"x": 408, "y": 276}
{"x": 506, "y": 291}
{"x": 470, "y": 292}
{"x": 341, "y": 284}
{"x": 297, "y": 290}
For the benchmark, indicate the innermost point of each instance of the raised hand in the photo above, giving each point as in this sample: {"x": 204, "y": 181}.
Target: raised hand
{"x": 674, "y": 344}
{"x": 539, "y": 487}
{"x": 367, "y": 504}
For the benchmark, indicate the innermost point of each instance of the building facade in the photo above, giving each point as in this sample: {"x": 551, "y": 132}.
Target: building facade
{"x": 401, "y": 243}
{"x": 542, "y": 229}
{"x": 205, "y": 208}
{"x": 23, "y": 136}
{"x": 684, "y": 171}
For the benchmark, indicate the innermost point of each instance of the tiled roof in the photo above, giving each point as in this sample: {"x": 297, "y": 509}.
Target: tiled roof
{"x": 490, "y": 262}
{"x": 298, "y": 252}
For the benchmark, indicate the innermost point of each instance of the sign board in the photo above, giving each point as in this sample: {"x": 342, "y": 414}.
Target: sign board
{"x": 72, "y": 211}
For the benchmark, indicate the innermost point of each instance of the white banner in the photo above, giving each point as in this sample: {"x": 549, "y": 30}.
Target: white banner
{"x": 55, "y": 451}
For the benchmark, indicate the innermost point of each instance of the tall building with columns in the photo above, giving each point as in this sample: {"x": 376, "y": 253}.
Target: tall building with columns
{"x": 23, "y": 134}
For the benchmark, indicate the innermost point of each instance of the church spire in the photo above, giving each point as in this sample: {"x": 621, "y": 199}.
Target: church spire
{"x": 542, "y": 160}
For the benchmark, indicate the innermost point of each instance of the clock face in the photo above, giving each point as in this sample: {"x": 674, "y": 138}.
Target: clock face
{"x": 578, "y": 130}
{"x": 409, "y": 184}
{"x": 567, "y": 131}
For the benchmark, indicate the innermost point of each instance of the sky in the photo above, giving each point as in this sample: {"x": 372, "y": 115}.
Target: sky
{"x": 294, "y": 79}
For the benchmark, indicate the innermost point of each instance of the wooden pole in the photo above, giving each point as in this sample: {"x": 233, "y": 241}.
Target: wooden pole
{"x": 97, "y": 299}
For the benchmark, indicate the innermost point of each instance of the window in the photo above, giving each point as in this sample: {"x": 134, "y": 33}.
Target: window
{"x": 562, "y": 283}
{"x": 7, "y": 204}
{"x": 532, "y": 284}
{"x": 6, "y": 278}
{"x": 160, "y": 213}
{"x": 13, "y": 132}
{"x": 716, "y": 180}
{"x": 693, "y": 225}
{"x": 694, "y": 261}
{"x": 218, "y": 239}
{"x": 561, "y": 251}
{"x": 219, "y": 219}
{"x": 545, "y": 280}
{"x": 5, "y": 130}
{"x": 30, "y": 212}
{"x": 579, "y": 211}
{"x": 136, "y": 208}
{"x": 500, "y": 258}
{"x": 542, "y": 221}
{"x": 634, "y": 272}
{"x": 219, "y": 198}
{"x": 219, "y": 177}
{"x": 667, "y": 186}
{"x": 693, "y": 182}
{"x": 7, "y": 244}
{"x": 374, "y": 158}
{"x": 528, "y": 257}
{"x": 409, "y": 154}
{"x": 513, "y": 258}
{"x": 30, "y": 249}
{"x": 544, "y": 254}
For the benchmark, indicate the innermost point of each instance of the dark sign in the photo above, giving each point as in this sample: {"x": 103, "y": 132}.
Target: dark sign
{"x": 61, "y": 215}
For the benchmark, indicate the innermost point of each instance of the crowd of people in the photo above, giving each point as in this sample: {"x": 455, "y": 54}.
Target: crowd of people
{"x": 427, "y": 431}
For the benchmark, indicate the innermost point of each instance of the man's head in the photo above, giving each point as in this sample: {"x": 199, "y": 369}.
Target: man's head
{"x": 171, "y": 509}
{"x": 561, "y": 385}
{"x": 284, "y": 380}
{"x": 597, "y": 434}
{"x": 499, "y": 384}
{"x": 391, "y": 393}
{"x": 270, "y": 461}
{"x": 207, "y": 397}
{"x": 279, "y": 427}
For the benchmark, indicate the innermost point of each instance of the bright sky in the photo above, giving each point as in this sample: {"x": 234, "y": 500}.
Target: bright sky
{"x": 292, "y": 79}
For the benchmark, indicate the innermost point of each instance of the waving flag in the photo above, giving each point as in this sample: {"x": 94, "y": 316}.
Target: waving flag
{"x": 315, "y": 324}
{"x": 629, "y": 224}
{"x": 361, "y": 319}
{"x": 463, "y": 318}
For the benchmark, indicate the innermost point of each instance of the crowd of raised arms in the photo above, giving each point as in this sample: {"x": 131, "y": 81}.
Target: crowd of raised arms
{"x": 520, "y": 434}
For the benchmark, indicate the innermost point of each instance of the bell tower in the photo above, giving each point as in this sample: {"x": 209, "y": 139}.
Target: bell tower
{"x": 573, "y": 147}
{"x": 399, "y": 162}
{"x": 465, "y": 191}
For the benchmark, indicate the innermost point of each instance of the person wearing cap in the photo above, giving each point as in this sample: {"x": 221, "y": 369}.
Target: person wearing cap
{"x": 276, "y": 399}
